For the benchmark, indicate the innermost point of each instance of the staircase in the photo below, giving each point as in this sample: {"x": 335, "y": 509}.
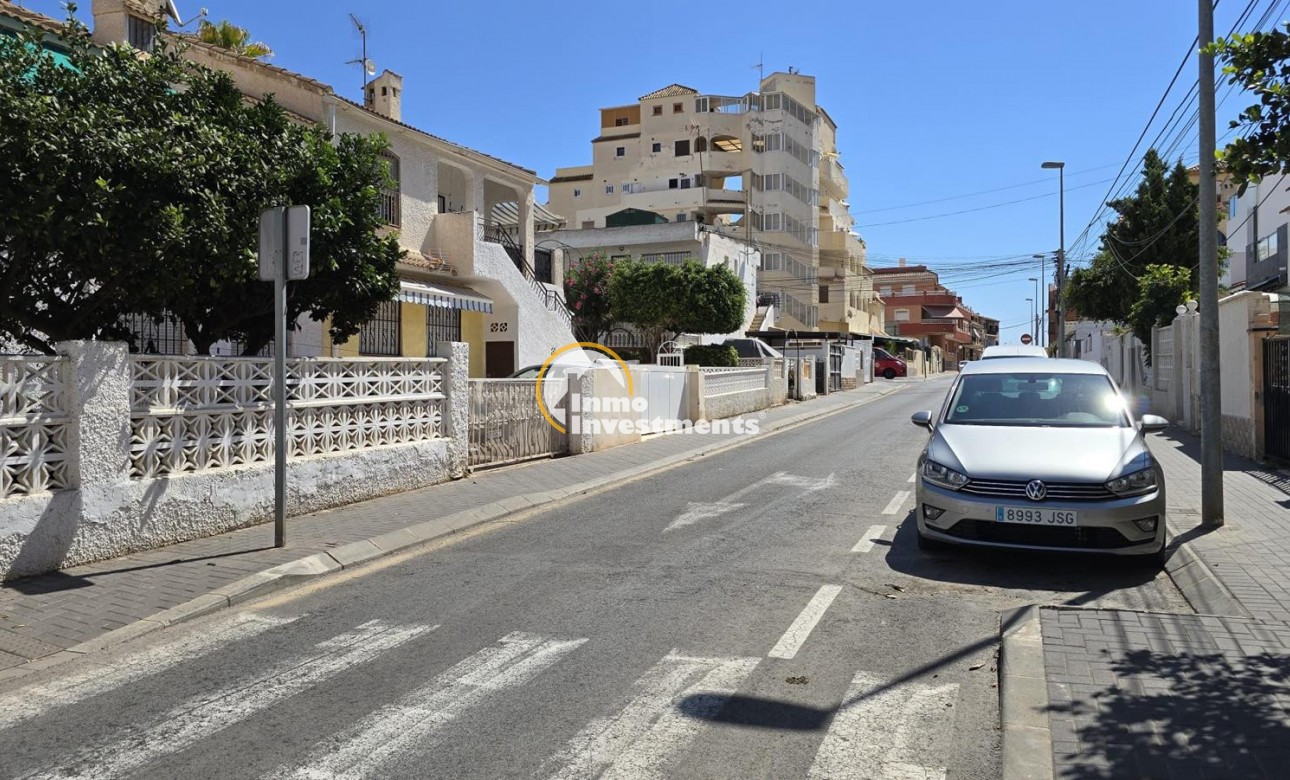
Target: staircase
{"x": 551, "y": 299}
{"x": 759, "y": 319}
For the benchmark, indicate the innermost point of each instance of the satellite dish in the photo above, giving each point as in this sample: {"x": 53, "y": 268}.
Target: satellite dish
{"x": 369, "y": 67}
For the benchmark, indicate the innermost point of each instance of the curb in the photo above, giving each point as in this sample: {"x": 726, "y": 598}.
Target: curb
{"x": 1023, "y": 697}
{"x": 1204, "y": 591}
{"x": 348, "y": 556}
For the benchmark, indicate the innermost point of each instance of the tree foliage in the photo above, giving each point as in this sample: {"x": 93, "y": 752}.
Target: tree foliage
{"x": 1157, "y": 226}
{"x": 586, "y": 289}
{"x": 133, "y": 185}
{"x": 1258, "y": 63}
{"x": 661, "y": 299}
{"x": 1161, "y": 289}
{"x": 227, "y": 35}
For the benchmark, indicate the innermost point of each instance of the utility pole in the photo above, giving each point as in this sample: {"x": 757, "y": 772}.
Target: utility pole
{"x": 1061, "y": 253}
{"x": 1211, "y": 404}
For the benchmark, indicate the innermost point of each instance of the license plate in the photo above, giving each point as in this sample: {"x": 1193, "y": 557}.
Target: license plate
{"x": 1013, "y": 514}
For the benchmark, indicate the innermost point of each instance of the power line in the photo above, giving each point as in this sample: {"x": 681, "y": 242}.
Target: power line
{"x": 982, "y": 208}
{"x": 975, "y": 194}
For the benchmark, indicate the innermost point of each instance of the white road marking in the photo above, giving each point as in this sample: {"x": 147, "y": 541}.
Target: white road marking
{"x": 912, "y": 477}
{"x": 206, "y": 714}
{"x": 676, "y": 697}
{"x": 896, "y": 734}
{"x": 695, "y": 512}
{"x": 805, "y": 483}
{"x": 896, "y": 503}
{"x": 865, "y": 544}
{"x": 415, "y": 719}
{"x": 796, "y": 635}
{"x": 26, "y": 703}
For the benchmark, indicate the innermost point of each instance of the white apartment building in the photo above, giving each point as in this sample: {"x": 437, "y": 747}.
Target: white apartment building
{"x": 763, "y": 166}
{"x": 1257, "y": 236}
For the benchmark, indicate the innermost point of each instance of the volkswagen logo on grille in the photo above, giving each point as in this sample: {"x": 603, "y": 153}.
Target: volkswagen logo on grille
{"x": 1036, "y": 490}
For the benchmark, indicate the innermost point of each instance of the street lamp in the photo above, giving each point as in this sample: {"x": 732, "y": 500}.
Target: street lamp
{"x": 1036, "y": 311}
{"x": 1033, "y": 303}
{"x": 1043, "y": 316}
{"x": 1061, "y": 253}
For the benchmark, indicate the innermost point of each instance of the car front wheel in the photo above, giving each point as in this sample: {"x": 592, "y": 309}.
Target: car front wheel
{"x": 889, "y": 373}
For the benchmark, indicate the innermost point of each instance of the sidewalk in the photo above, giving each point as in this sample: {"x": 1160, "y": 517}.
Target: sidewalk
{"x": 1142, "y": 695}
{"x": 53, "y": 616}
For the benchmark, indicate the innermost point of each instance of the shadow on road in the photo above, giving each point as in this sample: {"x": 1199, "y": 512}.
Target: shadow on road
{"x": 1094, "y": 575}
{"x": 756, "y": 712}
{"x": 1183, "y": 715}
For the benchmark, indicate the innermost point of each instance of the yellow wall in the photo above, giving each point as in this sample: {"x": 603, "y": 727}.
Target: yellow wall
{"x": 472, "y": 332}
{"x": 347, "y": 349}
{"x": 413, "y": 329}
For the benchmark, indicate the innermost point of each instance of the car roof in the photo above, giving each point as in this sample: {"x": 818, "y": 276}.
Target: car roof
{"x": 1013, "y": 350}
{"x": 1034, "y": 365}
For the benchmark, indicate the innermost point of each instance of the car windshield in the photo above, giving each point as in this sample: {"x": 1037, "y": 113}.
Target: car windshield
{"x": 1048, "y": 399}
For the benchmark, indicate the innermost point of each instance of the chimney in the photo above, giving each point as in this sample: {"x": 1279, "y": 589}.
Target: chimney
{"x": 902, "y": 262}
{"x": 126, "y": 21}
{"x": 384, "y": 95}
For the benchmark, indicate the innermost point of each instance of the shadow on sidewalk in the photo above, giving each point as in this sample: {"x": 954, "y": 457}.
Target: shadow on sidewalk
{"x": 1183, "y": 715}
{"x": 1189, "y": 445}
{"x": 56, "y": 581}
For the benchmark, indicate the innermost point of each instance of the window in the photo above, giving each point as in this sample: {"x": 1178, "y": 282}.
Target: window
{"x": 656, "y": 147}
{"x": 140, "y": 33}
{"x": 700, "y": 144}
{"x": 677, "y": 108}
{"x": 620, "y": 151}
{"x": 683, "y": 148}
{"x": 772, "y": 222}
{"x": 770, "y": 102}
{"x": 626, "y": 188}
{"x": 658, "y": 111}
{"x": 908, "y": 289}
{"x": 620, "y": 121}
{"x": 609, "y": 189}
{"x": 577, "y": 193}
{"x": 824, "y": 293}
{"x": 772, "y": 261}
{"x": 885, "y": 291}
{"x": 442, "y": 324}
{"x": 1050, "y": 400}
{"x": 588, "y": 224}
{"x": 1267, "y": 247}
{"x": 673, "y": 184}
{"x": 685, "y": 184}
{"x": 680, "y": 217}
{"x": 902, "y": 315}
{"x": 774, "y": 142}
{"x": 389, "y": 208}
{"x": 381, "y": 334}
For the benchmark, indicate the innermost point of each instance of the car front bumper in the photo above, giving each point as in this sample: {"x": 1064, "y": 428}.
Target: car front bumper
{"x": 1104, "y": 526}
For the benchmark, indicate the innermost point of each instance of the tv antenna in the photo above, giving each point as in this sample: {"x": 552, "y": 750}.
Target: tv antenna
{"x": 761, "y": 71}
{"x": 369, "y": 67}
{"x": 168, "y": 8}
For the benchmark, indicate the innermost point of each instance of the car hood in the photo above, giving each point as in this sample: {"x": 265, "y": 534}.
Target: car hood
{"x": 1054, "y": 454}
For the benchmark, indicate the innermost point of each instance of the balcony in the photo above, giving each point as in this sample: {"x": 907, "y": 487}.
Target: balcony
{"x": 718, "y": 163}
{"x": 922, "y": 298}
{"x": 833, "y": 180}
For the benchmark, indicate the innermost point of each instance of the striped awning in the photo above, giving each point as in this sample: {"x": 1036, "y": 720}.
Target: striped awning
{"x": 445, "y": 296}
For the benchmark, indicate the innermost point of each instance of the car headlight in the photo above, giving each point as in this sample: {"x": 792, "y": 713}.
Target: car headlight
{"x": 943, "y": 476}
{"x": 1135, "y": 484}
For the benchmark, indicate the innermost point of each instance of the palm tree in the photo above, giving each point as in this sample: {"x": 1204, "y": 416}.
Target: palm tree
{"x": 227, "y": 35}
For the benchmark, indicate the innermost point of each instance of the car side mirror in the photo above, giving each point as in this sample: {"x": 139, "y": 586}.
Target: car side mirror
{"x": 1152, "y": 423}
{"x": 922, "y": 419}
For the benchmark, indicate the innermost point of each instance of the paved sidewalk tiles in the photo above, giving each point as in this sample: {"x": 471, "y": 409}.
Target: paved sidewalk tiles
{"x": 1140, "y": 695}
{"x": 43, "y": 615}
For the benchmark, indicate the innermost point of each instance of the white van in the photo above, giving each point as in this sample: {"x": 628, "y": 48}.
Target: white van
{"x": 1014, "y": 351}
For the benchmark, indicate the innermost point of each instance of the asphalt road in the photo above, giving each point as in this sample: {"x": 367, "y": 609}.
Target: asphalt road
{"x": 759, "y": 613}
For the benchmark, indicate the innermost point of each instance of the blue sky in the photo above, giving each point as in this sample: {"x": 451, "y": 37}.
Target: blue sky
{"x": 933, "y": 100}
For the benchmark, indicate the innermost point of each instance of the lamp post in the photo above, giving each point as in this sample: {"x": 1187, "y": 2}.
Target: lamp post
{"x": 1043, "y": 280}
{"x": 1034, "y": 304}
{"x": 1061, "y": 253}
{"x": 1036, "y": 311}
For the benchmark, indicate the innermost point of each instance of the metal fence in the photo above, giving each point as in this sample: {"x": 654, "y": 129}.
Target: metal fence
{"x": 1162, "y": 358}
{"x": 1276, "y": 398}
{"x": 724, "y": 381}
{"x": 507, "y": 424}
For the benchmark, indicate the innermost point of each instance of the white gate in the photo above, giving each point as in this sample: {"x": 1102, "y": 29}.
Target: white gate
{"x": 664, "y": 390}
{"x": 507, "y": 424}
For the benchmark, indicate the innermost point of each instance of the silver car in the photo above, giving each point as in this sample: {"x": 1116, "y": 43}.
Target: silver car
{"x": 1040, "y": 453}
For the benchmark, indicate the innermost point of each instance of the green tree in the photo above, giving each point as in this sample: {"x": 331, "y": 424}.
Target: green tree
{"x": 1161, "y": 289}
{"x": 133, "y": 185}
{"x": 662, "y": 299}
{"x": 227, "y": 35}
{"x": 586, "y": 289}
{"x": 1158, "y": 225}
{"x": 1259, "y": 63}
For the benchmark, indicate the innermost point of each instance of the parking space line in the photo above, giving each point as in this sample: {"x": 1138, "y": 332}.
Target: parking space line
{"x": 912, "y": 477}
{"x": 896, "y": 503}
{"x": 865, "y": 544}
{"x": 796, "y": 635}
